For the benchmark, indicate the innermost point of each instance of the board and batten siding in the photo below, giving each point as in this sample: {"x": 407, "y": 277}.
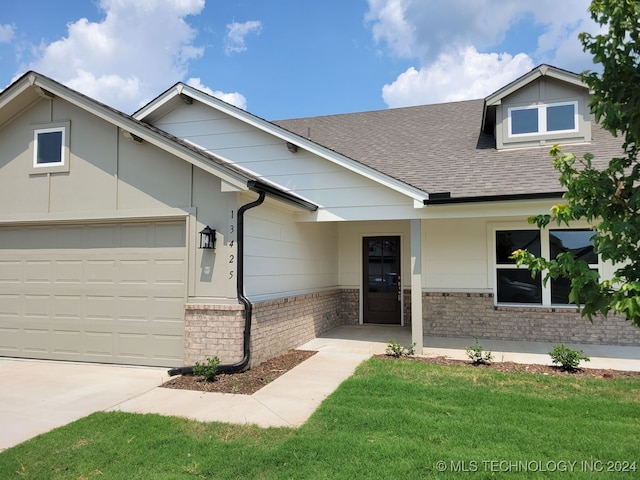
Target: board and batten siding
{"x": 113, "y": 179}
{"x": 340, "y": 193}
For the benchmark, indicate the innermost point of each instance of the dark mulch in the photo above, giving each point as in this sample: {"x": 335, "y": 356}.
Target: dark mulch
{"x": 525, "y": 368}
{"x": 251, "y": 381}
{"x": 245, "y": 383}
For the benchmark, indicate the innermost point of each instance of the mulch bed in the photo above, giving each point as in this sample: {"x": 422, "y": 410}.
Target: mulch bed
{"x": 245, "y": 383}
{"x": 249, "y": 382}
{"x": 512, "y": 367}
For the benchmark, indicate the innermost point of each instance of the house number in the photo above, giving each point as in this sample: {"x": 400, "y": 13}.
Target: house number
{"x": 231, "y": 258}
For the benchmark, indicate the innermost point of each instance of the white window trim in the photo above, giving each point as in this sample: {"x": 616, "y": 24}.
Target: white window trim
{"x": 542, "y": 119}
{"x": 57, "y": 167}
{"x": 545, "y": 252}
{"x": 36, "y": 134}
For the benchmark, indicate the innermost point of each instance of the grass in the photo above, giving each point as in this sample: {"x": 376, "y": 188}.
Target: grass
{"x": 392, "y": 419}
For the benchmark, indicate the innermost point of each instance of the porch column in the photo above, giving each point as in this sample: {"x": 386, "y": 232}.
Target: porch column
{"x": 416, "y": 286}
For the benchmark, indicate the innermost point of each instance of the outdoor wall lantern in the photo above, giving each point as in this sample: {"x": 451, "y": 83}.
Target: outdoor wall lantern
{"x": 207, "y": 237}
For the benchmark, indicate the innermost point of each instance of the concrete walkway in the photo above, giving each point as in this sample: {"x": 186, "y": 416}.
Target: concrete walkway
{"x": 37, "y": 396}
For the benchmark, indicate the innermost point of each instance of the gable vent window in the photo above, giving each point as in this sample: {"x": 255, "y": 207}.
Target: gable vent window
{"x": 50, "y": 148}
{"x": 541, "y": 119}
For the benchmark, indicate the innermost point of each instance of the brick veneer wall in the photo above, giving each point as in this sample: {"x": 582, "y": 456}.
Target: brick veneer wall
{"x": 349, "y": 306}
{"x": 212, "y": 330}
{"x": 277, "y": 326}
{"x": 474, "y": 315}
{"x": 285, "y": 323}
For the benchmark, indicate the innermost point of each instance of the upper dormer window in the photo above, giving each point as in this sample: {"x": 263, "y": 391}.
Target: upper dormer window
{"x": 541, "y": 119}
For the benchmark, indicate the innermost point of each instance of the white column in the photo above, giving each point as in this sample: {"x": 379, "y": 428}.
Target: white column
{"x": 416, "y": 286}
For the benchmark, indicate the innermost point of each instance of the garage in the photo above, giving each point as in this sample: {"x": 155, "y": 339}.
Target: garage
{"x": 99, "y": 292}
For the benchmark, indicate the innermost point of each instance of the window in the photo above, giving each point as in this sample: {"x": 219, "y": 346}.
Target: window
{"x": 51, "y": 148}
{"x": 516, "y": 286}
{"x": 540, "y": 119}
{"x": 48, "y": 147}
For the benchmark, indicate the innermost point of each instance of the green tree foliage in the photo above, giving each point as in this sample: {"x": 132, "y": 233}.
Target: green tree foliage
{"x": 608, "y": 198}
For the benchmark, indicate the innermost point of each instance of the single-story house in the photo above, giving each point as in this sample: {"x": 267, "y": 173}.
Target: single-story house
{"x": 193, "y": 228}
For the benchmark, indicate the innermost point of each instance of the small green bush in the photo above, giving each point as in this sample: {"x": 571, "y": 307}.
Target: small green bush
{"x": 569, "y": 359}
{"x": 477, "y": 355}
{"x": 398, "y": 350}
{"x": 207, "y": 370}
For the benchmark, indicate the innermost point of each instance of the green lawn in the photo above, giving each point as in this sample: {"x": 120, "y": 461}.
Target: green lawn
{"x": 392, "y": 419}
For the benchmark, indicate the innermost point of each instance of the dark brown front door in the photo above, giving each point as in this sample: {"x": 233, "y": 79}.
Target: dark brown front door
{"x": 381, "y": 284}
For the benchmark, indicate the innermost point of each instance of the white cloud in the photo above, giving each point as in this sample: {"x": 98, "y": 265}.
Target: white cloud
{"x": 455, "y": 43}
{"x": 456, "y": 76}
{"x": 236, "y": 34}
{"x": 235, "y": 98}
{"x": 130, "y": 56}
{"x": 6, "y": 33}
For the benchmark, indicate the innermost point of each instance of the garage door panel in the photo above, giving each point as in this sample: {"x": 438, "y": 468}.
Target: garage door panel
{"x": 38, "y": 271}
{"x": 68, "y": 271}
{"x": 167, "y": 309}
{"x": 106, "y": 293}
{"x": 10, "y": 272}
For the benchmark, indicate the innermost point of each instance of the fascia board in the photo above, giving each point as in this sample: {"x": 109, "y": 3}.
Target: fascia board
{"x": 302, "y": 142}
{"x": 146, "y": 134}
{"x": 542, "y": 71}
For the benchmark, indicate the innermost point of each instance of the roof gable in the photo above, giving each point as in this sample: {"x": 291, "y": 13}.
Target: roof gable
{"x": 181, "y": 93}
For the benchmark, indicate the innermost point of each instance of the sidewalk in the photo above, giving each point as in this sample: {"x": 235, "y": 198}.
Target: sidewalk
{"x": 292, "y": 398}
{"x": 38, "y": 396}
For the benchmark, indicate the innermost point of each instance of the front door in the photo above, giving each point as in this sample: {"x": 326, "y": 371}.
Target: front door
{"x": 381, "y": 285}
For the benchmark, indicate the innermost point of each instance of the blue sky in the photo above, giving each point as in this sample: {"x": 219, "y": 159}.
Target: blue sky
{"x": 291, "y": 58}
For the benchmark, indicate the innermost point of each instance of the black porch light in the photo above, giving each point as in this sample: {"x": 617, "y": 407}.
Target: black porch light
{"x": 207, "y": 237}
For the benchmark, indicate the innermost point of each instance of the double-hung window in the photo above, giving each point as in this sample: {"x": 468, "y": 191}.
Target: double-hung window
{"x": 543, "y": 119}
{"x": 515, "y": 285}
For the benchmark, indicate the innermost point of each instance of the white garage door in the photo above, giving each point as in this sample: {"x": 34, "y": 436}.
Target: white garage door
{"x": 110, "y": 293}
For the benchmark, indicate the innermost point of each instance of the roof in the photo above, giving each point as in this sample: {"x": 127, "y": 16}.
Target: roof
{"x": 441, "y": 148}
{"x": 32, "y": 86}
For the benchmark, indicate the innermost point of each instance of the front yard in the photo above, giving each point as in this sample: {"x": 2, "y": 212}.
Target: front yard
{"x": 392, "y": 419}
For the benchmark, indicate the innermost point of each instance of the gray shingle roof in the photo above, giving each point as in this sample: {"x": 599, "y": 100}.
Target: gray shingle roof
{"x": 440, "y": 148}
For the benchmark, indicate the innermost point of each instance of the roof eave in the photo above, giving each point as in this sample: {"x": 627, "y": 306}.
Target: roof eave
{"x": 448, "y": 200}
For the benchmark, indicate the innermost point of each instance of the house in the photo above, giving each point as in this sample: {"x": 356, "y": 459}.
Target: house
{"x": 193, "y": 228}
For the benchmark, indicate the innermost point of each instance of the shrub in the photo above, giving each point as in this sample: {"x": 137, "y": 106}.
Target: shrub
{"x": 398, "y": 350}
{"x": 569, "y": 359}
{"x": 207, "y": 370}
{"x": 478, "y": 355}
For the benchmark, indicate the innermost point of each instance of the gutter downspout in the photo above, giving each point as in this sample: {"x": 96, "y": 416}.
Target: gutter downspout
{"x": 248, "y": 306}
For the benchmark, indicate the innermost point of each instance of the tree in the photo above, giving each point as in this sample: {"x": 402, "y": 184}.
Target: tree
{"x": 608, "y": 198}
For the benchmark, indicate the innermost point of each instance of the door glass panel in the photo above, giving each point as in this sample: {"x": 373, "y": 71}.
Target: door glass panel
{"x": 381, "y": 265}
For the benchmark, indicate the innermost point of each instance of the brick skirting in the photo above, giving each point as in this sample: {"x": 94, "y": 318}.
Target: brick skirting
{"x": 282, "y": 324}
{"x": 277, "y": 326}
{"x": 474, "y": 315}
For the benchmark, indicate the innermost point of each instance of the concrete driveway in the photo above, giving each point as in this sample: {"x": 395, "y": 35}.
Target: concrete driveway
{"x": 38, "y": 396}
